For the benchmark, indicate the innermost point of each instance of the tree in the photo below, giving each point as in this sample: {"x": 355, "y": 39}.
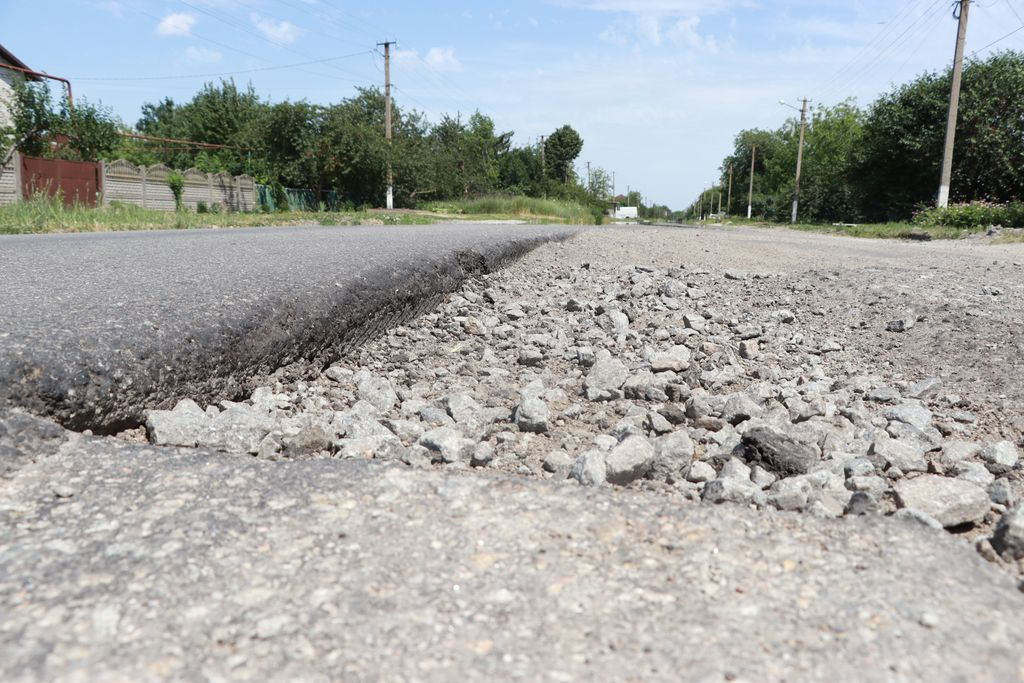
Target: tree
{"x": 600, "y": 183}
{"x": 897, "y": 169}
{"x": 561, "y": 149}
{"x": 87, "y": 133}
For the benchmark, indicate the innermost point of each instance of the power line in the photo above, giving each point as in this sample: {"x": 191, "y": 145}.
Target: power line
{"x": 901, "y": 39}
{"x": 997, "y": 40}
{"x": 244, "y": 29}
{"x": 226, "y": 73}
{"x": 889, "y": 26}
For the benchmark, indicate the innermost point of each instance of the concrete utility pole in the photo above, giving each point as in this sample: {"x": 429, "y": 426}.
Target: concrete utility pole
{"x": 954, "y": 105}
{"x": 728, "y": 204}
{"x": 387, "y": 119}
{"x": 543, "y": 165}
{"x": 719, "y": 201}
{"x": 750, "y": 193}
{"x": 799, "y": 154}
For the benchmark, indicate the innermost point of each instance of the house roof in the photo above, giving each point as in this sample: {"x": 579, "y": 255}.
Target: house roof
{"x": 8, "y": 56}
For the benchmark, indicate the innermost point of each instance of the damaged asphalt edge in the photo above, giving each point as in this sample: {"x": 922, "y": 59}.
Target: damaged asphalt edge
{"x": 302, "y": 332}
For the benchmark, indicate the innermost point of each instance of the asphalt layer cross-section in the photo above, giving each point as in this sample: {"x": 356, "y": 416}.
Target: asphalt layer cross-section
{"x": 96, "y": 328}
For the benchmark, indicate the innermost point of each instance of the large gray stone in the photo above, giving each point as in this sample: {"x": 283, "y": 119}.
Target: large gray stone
{"x": 673, "y": 456}
{"x": 777, "y": 452}
{"x": 674, "y": 359}
{"x": 180, "y": 426}
{"x": 630, "y": 460}
{"x": 590, "y": 469}
{"x": 951, "y": 501}
{"x": 532, "y": 413}
{"x": 605, "y": 379}
{"x": 733, "y": 490}
{"x": 1008, "y": 539}
{"x": 447, "y": 444}
{"x": 378, "y": 392}
{"x": 1000, "y": 457}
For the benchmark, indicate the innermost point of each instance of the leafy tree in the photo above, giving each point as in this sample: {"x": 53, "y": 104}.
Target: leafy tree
{"x": 600, "y": 184}
{"x": 561, "y": 149}
{"x": 33, "y": 119}
{"x": 39, "y": 129}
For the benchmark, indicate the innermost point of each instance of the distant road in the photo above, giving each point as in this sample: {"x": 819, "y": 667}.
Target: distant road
{"x": 94, "y": 328}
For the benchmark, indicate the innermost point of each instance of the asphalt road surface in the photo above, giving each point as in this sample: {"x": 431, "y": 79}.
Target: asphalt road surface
{"x": 95, "y": 328}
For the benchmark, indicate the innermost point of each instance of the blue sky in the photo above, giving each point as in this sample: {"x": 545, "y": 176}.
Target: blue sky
{"x": 657, "y": 88}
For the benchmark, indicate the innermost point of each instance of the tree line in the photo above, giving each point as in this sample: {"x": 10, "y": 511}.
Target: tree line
{"x": 336, "y": 150}
{"x": 882, "y": 163}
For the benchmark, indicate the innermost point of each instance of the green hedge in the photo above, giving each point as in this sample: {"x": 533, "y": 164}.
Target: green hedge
{"x": 973, "y": 216}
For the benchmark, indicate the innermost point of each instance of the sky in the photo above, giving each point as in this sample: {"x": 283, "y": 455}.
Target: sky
{"x": 658, "y": 89}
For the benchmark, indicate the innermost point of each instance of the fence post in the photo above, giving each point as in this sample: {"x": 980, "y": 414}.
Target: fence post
{"x": 209, "y": 188}
{"x": 143, "y": 169}
{"x": 19, "y": 193}
{"x": 102, "y": 189}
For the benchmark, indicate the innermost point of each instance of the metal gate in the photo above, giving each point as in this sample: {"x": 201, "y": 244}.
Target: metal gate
{"x": 78, "y": 182}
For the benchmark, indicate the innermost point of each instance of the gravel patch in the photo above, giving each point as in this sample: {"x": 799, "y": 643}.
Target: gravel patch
{"x": 662, "y": 360}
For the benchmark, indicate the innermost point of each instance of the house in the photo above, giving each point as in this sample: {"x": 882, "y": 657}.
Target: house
{"x": 8, "y": 77}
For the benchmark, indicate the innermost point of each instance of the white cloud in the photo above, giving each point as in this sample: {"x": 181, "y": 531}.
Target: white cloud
{"x": 438, "y": 58}
{"x": 443, "y": 59}
{"x": 684, "y": 32}
{"x": 701, "y": 7}
{"x": 649, "y": 30}
{"x": 176, "y": 24}
{"x": 202, "y": 55}
{"x": 284, "y": 31}
{"x": 113, "y": 7}
{"x": 614, "y": 35}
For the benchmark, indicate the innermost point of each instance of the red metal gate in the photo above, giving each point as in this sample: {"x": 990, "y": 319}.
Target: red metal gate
{"x": 77, "y": 181}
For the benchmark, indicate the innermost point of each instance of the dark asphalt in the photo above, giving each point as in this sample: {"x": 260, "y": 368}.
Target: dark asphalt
{"x": 95, "y": 328}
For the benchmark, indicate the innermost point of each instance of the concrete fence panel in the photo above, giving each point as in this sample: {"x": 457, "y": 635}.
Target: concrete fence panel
{"x": 147, "y": 187}
{"x": 197, "y": 188}
{"x": 9, "y": 182}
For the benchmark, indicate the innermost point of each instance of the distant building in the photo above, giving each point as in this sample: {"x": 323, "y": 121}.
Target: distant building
{"x": 8, "y": 77}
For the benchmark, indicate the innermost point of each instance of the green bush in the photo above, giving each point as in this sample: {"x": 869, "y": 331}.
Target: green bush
{"x": 973, "y": 216}
{"x": 176, "y": 182}
{"x": 200, "y": 207}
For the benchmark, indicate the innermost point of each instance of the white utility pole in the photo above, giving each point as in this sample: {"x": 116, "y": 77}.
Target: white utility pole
{"x": 750, "y": 193}
{"x": 954, "y": 104}
{"x": 387, "y": 119}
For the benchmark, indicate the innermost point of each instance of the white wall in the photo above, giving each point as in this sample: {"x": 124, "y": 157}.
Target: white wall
{"x": 6, "y": 92}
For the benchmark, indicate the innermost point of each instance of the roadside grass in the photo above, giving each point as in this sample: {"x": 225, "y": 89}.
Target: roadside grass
{"x": 899, "y": 230}
{"x": 49, "y": 215}
{"x": 530, "y": 209}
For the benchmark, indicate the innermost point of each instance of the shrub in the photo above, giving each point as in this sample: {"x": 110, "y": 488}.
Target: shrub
{"x": 973, "y": 215}
{"x": 176, "y": 182}
{"x": 200, "y": 207}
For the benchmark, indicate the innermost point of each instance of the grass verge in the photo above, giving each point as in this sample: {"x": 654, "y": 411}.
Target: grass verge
{"x": 49, "y": 215}
{"x": 45, "y": 215}
{"x": 529, "y": 209}
{"x": 909, "y": 231}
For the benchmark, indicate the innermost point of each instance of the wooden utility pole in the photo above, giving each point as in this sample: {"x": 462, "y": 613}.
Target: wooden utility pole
{"x": 799, "y": 159}
{"x": 750, "y": 193}
{"x": 588, "y": 175}
{"x": 728, "y": 204}
{"x": 387, "y": 119}
{"x": 954, "y": 105}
